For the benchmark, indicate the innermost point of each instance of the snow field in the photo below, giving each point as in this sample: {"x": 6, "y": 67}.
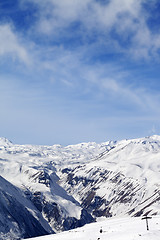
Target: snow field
{"x": 112, "y": 229}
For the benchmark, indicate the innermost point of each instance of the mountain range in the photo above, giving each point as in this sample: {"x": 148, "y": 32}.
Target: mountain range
{"x": 50, "y": 189}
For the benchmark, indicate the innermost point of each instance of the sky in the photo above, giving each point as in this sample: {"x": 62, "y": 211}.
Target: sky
{"x": 76, "y": 71}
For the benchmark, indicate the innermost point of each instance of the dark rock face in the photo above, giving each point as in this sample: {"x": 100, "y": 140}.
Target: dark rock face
{"x": 88, "y": 196}
{"x": 50, "y": 209}
{"x": 86, "y": 218}
{"x": 15, "y": 218}
{"x": 71, "y": 223}
{"x": 52, "y": 213}
{"x": 120, "y": 192}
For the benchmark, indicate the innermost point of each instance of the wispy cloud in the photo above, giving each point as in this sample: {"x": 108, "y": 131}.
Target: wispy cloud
{"x": 125, "y": 22}
{"x": 105, "y": 81}
{"x": 11, "y": 46}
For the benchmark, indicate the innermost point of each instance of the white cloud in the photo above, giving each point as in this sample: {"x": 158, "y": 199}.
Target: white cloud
{"x": 127, "y": 18}
{"x": 145, "y": 44}
{"x": 114, "y": 12}
{"x": 106, "y": 81}
{"x": 10, "y": 45}
{"x": 56, "y": 14}
{"x": 70, "y": 68}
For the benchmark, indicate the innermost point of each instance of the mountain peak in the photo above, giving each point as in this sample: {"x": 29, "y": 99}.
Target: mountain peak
{"x": 5, "y": 142}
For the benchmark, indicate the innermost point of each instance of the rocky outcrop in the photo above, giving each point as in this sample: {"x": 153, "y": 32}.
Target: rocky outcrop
{"x": 18, "y": 217}
{"x": 105, "y": 193}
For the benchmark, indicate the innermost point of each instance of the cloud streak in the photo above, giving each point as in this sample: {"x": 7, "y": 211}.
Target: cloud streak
{"x": 11, "y": 46}
{"x": 104, "y": 81}
{"x": 122, "y": 21}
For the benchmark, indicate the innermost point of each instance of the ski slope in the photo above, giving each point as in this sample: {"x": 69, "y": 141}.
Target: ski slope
{"x": 112, "y": 229}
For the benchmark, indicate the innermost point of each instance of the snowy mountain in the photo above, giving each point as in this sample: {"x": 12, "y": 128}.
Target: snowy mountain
{"x": 123, "y": 180}
{"x": 18, "y": 215}
{"x": 60, "y": 188}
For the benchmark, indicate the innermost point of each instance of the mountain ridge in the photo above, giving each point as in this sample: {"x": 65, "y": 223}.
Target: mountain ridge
{"x": 76, "y": 184}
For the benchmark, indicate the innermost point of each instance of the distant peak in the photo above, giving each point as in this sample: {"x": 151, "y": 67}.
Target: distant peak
{"x": 154, "y": 137}
{"x": 4, "y": 141}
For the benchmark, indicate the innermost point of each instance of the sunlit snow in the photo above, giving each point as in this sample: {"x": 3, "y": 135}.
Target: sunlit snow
{"x": 112, "y": 229}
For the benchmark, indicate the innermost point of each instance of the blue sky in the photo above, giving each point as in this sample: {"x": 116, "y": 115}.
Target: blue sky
{"x": 75, "y": 71}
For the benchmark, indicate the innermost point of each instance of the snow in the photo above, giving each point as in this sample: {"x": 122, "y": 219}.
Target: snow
{"x": 112, "y": 229}
{"x": 137, "y": 160}
{"x": 5, "y": 142}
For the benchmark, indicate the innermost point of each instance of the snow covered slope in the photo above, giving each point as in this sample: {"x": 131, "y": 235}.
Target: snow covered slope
{"x": 70, "y": 186}
{"x": 18, "y": 216}
{"x": 122, "y": 180}
{"x": 112, "y": 229}
{"x": 32, "y": 170}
